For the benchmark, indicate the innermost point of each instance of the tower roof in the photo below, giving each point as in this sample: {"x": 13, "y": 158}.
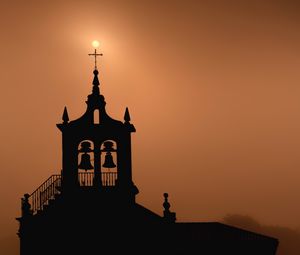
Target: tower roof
{"x": 96, "y": 101}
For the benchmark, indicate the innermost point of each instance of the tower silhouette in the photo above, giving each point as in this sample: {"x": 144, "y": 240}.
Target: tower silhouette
{"x": 90, "y": 207}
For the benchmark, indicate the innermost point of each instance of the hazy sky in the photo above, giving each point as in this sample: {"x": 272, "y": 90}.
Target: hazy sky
{"x": 212, "y": 88}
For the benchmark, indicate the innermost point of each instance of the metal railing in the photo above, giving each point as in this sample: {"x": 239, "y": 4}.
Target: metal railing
{"x": 108, "y": 179}
{"x": 85, "y": 179}
{"x": 51, "y": 187}
{"x": 41, "y": 196}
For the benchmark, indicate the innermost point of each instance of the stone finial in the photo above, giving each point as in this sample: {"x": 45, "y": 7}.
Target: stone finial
{"x": 65, "y": 116}
{"x": 26, "y": 207}
{"x": 127, "y": 116}
{"x": 168, "y": 215}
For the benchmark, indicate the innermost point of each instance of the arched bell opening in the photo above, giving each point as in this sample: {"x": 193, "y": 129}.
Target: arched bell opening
{"x": 86, "y": 163}
{"x": 96, "y": 116}
{"x": 109, "y": 168}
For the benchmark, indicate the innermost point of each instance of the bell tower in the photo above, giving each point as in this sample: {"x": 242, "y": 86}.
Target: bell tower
{"x": 90, "y": 207}
{"x": 97, "y": 149}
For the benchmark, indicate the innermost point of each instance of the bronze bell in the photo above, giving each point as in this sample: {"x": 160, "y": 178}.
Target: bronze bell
{"x": 85, "y": 162}
{"x": 108, "y": 161}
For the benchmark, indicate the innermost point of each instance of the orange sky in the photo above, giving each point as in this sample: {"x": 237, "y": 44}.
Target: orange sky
{"x": 212, "y": 88}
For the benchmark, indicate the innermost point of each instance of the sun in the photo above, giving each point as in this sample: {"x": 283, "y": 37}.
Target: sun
{"x": 95, "y": 44}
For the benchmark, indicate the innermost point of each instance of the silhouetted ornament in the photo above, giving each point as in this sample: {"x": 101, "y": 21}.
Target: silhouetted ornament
{"x": 85, "y": 162}
{"x": 108, "y": 146}
{"x": 65, "y": 116}
{"x": 127, "y": 115}
{"x": 85, "y": 147}
{"x": 166, "y": 203}
{"x": 96, "y": 80}
{"x": 108, "y": 162}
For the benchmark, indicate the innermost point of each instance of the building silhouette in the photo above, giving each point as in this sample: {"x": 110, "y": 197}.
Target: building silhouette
{"x": 90, "y": 207}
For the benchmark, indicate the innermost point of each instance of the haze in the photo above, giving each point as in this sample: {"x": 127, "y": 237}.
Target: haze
{"x": 212, "y": 88}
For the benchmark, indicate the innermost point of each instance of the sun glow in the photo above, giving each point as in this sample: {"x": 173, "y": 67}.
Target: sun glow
{"x": 95, "y": 44}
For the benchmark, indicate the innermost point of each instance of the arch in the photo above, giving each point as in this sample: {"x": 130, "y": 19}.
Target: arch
{"x": 85, "y": 163}
{"x": 108, "y": 150}
{"x": 96, "y": 116}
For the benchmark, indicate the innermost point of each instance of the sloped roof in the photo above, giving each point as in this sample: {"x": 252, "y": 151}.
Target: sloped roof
{"x": 218, "y": 231}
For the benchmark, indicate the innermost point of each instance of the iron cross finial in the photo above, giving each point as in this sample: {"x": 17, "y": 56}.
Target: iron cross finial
{"x": 95, "y": 54}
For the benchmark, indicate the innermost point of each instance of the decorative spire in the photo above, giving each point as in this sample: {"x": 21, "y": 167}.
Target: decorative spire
{"x": 65, "y": 116}
{"x": 96, "y": 82}
{"x": 127, "y": 115}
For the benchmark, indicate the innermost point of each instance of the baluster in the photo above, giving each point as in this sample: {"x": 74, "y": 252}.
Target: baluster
{"x": 50, "y": 187}
{"x": 42, "y": 196}
{"x": 46, "y": 192}
{"x": 36, "y": 197}
{"x": 39, "y": 200}
{"x": 46, "y": 189}
{"x": 35, "y": 207}
{"x": 33, "y": 202}
{"x": 42, "y": 189}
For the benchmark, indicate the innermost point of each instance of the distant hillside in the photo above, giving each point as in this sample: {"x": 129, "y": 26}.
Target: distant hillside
{"x": 289, "y": 239}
